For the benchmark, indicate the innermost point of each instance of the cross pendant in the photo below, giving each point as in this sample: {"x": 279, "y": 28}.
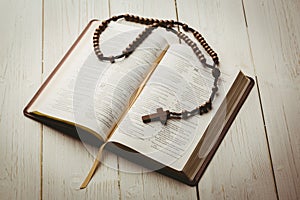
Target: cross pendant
{"x": 161, "y": 116}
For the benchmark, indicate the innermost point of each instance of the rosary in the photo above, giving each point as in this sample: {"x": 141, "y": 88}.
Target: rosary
{"x": 152, "y": 24}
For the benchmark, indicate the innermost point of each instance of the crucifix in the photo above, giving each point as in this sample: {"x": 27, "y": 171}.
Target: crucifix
{"x": 163, "y": 116}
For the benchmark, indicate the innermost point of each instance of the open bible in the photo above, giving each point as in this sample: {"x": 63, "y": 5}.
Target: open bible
{"x": 101, "y": 102}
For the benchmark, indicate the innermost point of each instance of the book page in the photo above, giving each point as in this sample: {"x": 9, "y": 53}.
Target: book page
{"x": 93, "y": 93}
{"x": 180, "y": 82}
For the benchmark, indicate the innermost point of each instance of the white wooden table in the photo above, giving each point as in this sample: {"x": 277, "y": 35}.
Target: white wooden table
{"x": 260, "y": 155}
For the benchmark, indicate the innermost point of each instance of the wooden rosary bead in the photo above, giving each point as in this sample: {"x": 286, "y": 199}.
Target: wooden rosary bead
{"x": 100, "y": 27}
{"x": 156, "y": 21}
{"x": 202, "y": 110}
{"x": 129, "y": 18}
{"x": 185, "y": 27}
{"x": 104, "y": 23}
{"x": 95, "y": 45}
{"x": 126, "y": 52}
{"x": 98, "y": 52}
{"x": 215, "y": 57}
{"x": 203, "y": 60}
{"x": 145, "y": 21}
{"x": 194, "y": 45}
{"x": 151, "y": 20}
{"x": 190, "y": 42}
{"x": 142, "y": 20}
{"x": 95, "y": 38}
{"x": 166, "y": 22}
{"x": 128, "y": 49}
{"x": 180, "y": 35}
{"x": 100, "y": 55}
{"x": 205, "y": 46}
{"x": 140, "y": 35}
{"x": 131, "y": 45}
{"x": 213, "y": 54}
{"x": 194, "y": 48}
{"x": 202, "y": 41}
{"x": 115, "y": 18}
{"x": 135, "y": 18}
{"x": 196, "y": 34}
{"x": 126, "y": 17}
{"x": 216, "y": 60}
{"x": 97, "y": 31}
{"x": 210, "y": 51}
{"x": 155, "y": 25}
{"x": 200, "y": 54}
{"x": 197, "y": 51}
{"x": 112, "y": 59}
{"x": 184, "y": 37}
{"x": 208, "y": 105}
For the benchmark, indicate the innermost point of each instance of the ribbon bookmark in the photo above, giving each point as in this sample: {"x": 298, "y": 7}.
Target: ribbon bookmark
{"x": 94, "y": 167}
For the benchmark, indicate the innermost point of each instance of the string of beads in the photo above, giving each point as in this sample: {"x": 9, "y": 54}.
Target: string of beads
{"x": 169, "y": 25}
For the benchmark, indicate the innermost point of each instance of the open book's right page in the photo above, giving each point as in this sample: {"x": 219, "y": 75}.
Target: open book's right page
{"x": 180, "y": 82}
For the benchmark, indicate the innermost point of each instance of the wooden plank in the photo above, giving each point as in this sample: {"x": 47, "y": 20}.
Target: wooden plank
{"x": 20, "y": 76}
{"x": 274, "y": 30}
{"x": 66, "y": 161}
{"x": 135, "y": 181}
{"x": 241, "y": 168}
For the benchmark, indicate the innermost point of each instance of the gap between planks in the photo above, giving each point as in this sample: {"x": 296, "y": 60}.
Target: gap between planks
{"x": 260, "y": 101}
{"x": 266, "y": 135}
{"x": 42, "y": 126}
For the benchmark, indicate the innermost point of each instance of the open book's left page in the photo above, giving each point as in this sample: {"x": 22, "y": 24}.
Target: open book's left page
{"x": 91, "y": 93}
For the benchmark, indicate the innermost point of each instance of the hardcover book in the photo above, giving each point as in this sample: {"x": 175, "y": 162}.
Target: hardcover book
{"x": 101, "y": 102}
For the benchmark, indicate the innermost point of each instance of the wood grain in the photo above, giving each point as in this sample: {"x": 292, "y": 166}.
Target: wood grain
{"x": 20, "y": 76}
{"x": 66, "y": 161}
{"x": 274, "y": 30}
{"x": 260, "y": 156}
{"x": 241, "y": 167}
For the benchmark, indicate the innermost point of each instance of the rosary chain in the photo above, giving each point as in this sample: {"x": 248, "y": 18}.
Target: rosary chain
{"x": 168, "y": 25}
{"x": 152, "y": 23}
